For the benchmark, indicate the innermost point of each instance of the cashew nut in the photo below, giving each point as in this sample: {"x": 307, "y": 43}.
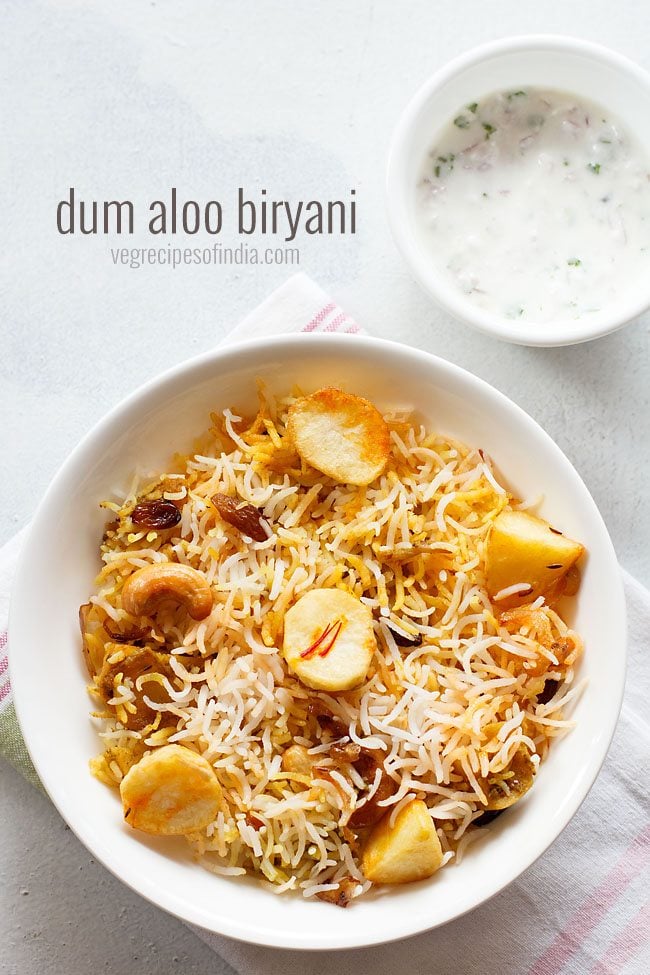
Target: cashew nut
{"x": 167, "y": 580}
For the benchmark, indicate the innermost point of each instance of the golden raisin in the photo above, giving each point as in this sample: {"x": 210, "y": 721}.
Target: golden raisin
{"x": 158, "y": 514}
{"x": 244, "y": 517}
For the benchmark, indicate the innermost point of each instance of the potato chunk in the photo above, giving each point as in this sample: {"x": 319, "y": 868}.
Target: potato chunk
{"x": 329, "y": 640}
{"x": 522, "y": 548}
{"x": 343, "y": 436}
{"x": 170, "y": 790}
{"x": 407, "y": 851}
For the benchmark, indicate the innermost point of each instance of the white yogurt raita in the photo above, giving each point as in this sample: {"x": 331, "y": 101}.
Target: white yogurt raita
{"x": 537, "y": 205}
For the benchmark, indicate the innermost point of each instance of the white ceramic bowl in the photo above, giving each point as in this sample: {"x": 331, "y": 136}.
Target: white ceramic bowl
{"x": 60, "y": 560}
{"x": 567, "y": 63}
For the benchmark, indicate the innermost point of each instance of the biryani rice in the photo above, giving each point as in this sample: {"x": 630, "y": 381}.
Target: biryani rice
{"x": 443, "y": 715}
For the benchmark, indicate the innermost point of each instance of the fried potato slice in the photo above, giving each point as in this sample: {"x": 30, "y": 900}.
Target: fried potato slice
{"x": 329, "y": 640}
{"x": 171, "y": 790}
{"x": 522, "y": 548}
{"x": 342, "y": 435}
{"x": 408, "y": 850}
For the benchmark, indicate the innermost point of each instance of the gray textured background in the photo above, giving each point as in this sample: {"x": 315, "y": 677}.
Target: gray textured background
{"x": 209, "y": 96}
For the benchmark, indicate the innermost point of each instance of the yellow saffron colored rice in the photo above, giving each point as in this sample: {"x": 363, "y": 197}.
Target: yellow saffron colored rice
{"x": 445, "y": 707}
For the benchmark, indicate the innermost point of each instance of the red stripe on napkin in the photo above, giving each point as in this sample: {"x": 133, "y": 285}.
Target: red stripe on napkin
{"x": 320, "y": 317}
{"x": 595, "y": 907}
{"x": 631, "y": 939}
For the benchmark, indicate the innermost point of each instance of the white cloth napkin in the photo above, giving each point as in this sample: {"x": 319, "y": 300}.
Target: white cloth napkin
{"x": 582, "y": 909}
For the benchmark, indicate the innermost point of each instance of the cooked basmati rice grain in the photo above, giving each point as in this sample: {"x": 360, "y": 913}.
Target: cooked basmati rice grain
{"x": 451, "y": 694}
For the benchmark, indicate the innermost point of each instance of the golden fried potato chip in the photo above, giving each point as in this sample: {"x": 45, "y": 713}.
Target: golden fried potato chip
{"x": 170, "y": 790}
{"x": 329, "y": 640}
{"x": 343, "y": 436}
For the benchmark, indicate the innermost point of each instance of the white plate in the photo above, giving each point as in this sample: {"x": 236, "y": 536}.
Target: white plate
{"x": 60, "y": 559}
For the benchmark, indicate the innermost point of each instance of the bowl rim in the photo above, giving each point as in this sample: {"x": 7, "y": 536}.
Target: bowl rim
{"x": 217, "y": 921}
{"x": 546, "y": 334}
